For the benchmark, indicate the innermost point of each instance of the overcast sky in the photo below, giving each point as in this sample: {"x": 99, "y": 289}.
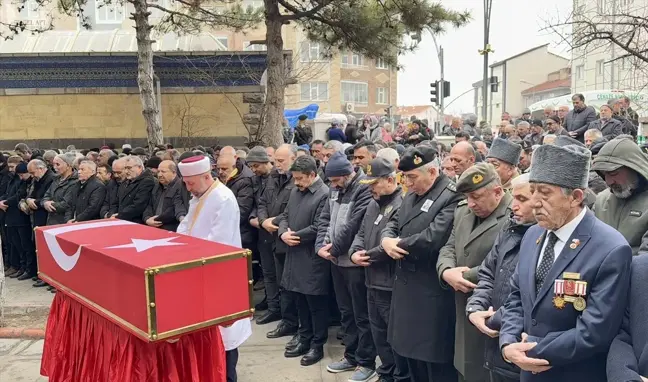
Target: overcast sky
{"x": 515, "y": 27}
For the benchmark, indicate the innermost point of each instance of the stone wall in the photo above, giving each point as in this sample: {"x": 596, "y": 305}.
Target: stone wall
{"x": 89, "y": 117}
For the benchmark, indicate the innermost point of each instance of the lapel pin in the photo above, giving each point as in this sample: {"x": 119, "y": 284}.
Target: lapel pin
{"x": 575, "y": 243}
{"x": 538, "y": 241}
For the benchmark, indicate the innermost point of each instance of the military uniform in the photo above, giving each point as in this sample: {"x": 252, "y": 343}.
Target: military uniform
{"x": 471, "y": 240}
{"x": 421, "y": 319}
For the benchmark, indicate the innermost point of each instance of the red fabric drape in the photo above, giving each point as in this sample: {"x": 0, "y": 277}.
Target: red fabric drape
{"x": 82, "y": 346}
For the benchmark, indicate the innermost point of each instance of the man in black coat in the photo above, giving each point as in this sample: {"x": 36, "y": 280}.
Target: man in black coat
{"x": 134, "y": 194}
{"x": 379, "y": 267}
{"x": 272, "y": 204}
{"x": 422, "y": 312}
{"x": 111, "y": 201}
{"x": 42, "y": 180}
{"x": 486, "y": 305}
{"x": 166, "y": 208}
{"x": 19, "y": 231}
{"x": 579, "y": 118}
{"x": 261, "y": 165}
{"x": 90, "y": 193}
{"x": 303, "y": 132}
{"x": 306, "y": 276}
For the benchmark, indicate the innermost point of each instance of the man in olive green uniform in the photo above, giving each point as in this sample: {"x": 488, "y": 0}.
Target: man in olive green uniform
{"x": 624, "y": 204}
{"x": 477, "y": 221}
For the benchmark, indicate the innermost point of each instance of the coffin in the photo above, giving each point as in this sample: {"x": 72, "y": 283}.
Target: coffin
{"x": 153, "y": 283}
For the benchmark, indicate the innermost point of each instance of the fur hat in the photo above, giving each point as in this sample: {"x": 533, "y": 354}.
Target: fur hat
{"x": 564, "y": 140}
{"x": 505, "y": 150}
{"x": 566, "y": 166}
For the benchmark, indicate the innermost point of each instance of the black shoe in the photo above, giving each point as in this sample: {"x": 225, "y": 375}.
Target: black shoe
{"x": 340, "y": 334}
{"x": 10, "y": 272}
{"x": 293, "y": 342}
{"x": 259, "y": 285}
{"x": 24, "y": 276}
{"x": 35, "y": 278}
{"x": 268, "y": 317}
{"x": 17, "y": 274}
{"x": 50, "y": 288}
{"x": 53, "y": 290}
{"x": 40, "y": 284}
{"x": 282, "y": 330}
{"x": 312, "y": 357}
{"x": 263, "y": 305}
{"x": 297, "y": 351}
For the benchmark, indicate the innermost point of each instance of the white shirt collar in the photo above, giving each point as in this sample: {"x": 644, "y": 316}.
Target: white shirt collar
{"x": 565, "y": 232}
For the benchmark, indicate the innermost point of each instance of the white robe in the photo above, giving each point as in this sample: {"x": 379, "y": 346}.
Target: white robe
{"x": 219, "y": 221}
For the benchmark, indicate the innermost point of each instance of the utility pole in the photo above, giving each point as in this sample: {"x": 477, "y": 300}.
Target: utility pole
{"x": 488, "y": 5}
{"x": 441, "y": 94}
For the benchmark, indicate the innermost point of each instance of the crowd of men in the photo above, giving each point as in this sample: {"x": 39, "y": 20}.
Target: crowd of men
{"x": 413, "y": 249}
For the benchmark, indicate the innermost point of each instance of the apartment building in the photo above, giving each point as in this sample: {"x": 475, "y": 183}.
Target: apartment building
{"x": 558, "y": 84}
{"x": 514, "y": 75}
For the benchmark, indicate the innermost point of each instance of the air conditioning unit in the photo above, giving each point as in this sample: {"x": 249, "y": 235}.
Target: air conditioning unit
{"x": 349, "y": 107}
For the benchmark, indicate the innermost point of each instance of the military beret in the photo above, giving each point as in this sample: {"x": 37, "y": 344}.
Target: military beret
{"x": 378, "y": 168}
{"x": 416, "y": 157}
{"x": 476, "y": 177}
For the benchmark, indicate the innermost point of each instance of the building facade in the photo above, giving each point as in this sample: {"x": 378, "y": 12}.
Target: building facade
{"x": 558, "y": 84}
{"x": 205, "y": 106}
{"x": 513, "y": 75}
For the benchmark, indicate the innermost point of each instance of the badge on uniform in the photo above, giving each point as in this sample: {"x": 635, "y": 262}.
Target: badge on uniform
{"x": 388, "y": 209}
{"x": 334, "y": 195}
{"x": 378, "y": 219}
{"x": 570, "y": 289}
{"x": 426, "y": 206}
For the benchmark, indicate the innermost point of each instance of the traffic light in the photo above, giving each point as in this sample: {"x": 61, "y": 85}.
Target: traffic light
{"x": 434, "y": 92}
{"x": 446, "y": 89}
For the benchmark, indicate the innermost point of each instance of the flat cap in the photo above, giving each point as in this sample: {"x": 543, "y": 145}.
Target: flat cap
{"x": 476, "y": 176}
{"x": 416, "y": 157}
{"x": 378, "y": 168}
{"x": 258, "y": 154}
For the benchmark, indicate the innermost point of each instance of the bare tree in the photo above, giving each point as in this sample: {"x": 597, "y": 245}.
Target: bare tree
{"x": 193, "y": 120}
{"x": 617, "y": 29}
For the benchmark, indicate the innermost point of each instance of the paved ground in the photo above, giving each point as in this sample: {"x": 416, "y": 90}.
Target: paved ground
{"x": 261, "y": 359}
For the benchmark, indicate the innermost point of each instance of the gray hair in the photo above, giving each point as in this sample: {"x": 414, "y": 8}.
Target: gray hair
{"x": 90, "y": 163}
{"x": 293, "y": 148}
{"x": 68, "y": 158}
{"x": 433, "y": 164}
{"x": 49, "y": 155}
{"x": 594, "y": 133}
{"x": 109, "y": 151}
{"x": 334, "y": 145}
{"x": 39, "y": 164}
{"x": 524, "y": 123}
{"x": 520, "y": 180}
{"x": 388, "y": 153}
{"x": 134, "y": 159}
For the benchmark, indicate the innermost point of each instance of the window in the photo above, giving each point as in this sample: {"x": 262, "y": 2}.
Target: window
{"x": 254, "y": 47}
{"x": 112, "y": 13}
{"x": 599, "y": 67}
{"x": 580, "y": 72}
{"x": 381, "y": 96}
{"x": 30, "y": 10}
{"x": 345, "y": 58}
{"x": 381, "y": 64}
{"x": 356, "y": 60}
{"x": 314, "y": 91}
{"x": 311, "y": 51}
{"x": 222, "y": 42}
{"x": 355, "y": 92}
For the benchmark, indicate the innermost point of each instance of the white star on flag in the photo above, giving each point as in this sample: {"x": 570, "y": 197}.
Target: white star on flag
{"x": 142, "y": 245}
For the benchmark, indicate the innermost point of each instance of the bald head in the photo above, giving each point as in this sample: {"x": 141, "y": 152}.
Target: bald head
{"x": 462, "y": 156}
{"x": 226, "y": 165}
{"x": 228, "y": 150}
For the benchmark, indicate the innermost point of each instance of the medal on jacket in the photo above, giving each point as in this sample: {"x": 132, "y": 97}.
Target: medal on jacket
{"x": 570, "y": 289}
{"x": 559, "y": 291}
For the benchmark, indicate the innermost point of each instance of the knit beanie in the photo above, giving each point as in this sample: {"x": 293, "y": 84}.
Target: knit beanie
{"x": 338, "y": 165}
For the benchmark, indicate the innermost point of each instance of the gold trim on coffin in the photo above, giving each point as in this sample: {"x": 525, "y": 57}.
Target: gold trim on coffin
{"x": 149, "y": 279}
{"x": 149, "y": 282}
{"x": 108, "y": 313}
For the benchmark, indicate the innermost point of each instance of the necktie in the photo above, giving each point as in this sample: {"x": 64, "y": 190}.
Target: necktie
{"x": 546, "y": 262}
